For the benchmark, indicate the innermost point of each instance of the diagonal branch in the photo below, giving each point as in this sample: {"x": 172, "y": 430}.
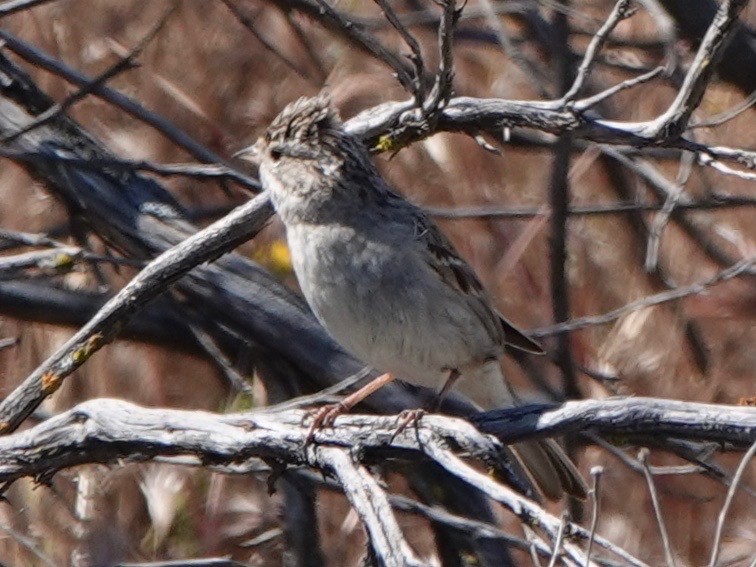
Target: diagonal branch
{"x": 675, "y": 120}
{"x": 372, "y": 506}
{"x": 621, "y": 11}
{"x": 230, "y": 231}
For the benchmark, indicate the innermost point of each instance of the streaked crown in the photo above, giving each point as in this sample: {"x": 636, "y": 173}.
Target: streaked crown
{"x": 307, "y": 121}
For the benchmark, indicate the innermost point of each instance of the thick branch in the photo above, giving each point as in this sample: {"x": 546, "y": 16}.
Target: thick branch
{"x": 626, "y": 416}
{"x": 107, "y": 430}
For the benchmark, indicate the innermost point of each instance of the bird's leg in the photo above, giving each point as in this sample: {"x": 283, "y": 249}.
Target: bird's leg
{"x": 445, "y": 389}
{"x": 326, "y": 415}
{"x": 412, "y": 416}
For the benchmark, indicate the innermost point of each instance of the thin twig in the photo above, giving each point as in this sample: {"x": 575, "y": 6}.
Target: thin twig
{"x": 155, "y": 277}
{"x": 55, "y": 262}
{"x": 26, "y": 239}
{"x": 742, "y": 267}
{"x": 128, "y": 105}
{"x": 249, "y": 25}
{"x": 237, "y": 382}
{"x": 565, "y": 518}
{"x": 675, "y": 120}
{"x": 529, "y": 69}
{"x": 728, "y": 501}
{"x": 327, "y": 15}
{"x": 124, "y": 64}
{"x": 8, "y": 342}
{"x": 706, "y": 158}
{"x": 307, "y": 43}
{"x": 30, "y": 544}
{"x": 643, "y": 458}
{"x": 620, "y": 12}
{"x": 591, "y": 101}
{"x": 492, "y": 212}
{"x": 443, "y": 86}
{"x": 194, "y": 170}
{"x": 661, "y": 219}
{"x": 727, "y": 115}
{"x": 475, "y": 529}
{"x": 596, "y": 473}
{"x": 522, "y": 507}
{"x": 324, "y": 395}
{"x": 13, "y": 6}
{"x": 416, "y": 55}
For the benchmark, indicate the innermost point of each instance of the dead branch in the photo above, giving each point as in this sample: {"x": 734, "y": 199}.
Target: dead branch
{"x": 108, "y": 431}
{"x": 735, "y": 425}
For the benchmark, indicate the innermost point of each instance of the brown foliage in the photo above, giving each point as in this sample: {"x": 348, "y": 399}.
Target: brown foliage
{"x": 210, "y": 76}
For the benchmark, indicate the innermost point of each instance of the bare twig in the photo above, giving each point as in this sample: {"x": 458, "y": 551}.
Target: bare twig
{"x": 661, "y": 219}
{"x": 620, "y": 12}
{"x": 715, "y": 202}
{"x": 249, "y": 24}
{"x": 197, "y": 171}
{"x": 535, "y": 75}
{"x": 328, "y": 16}
{"x": 560, "y": 539}
{"x": 326, "y": 395}
{"x": 726, "y": 116}
{"x": 165, "y": 127}
{"x": 124, "y": 64}
{"x": 372, "y": 506}
{"x": 416, "y": 55}
{"x": 476, "y": 529}
{"x": 675, "y": 120}
{"x": 8, "y": 342}
{"x": 237, "y": 382}
{"x": 18, "y": 238}
{"x": 524, "y": 509}
{"x": 663, "y": 188}
{"x": 705, "y": 157}
{"x": 161, "y": 272}
{"x": 643, "y": 458}
{"x": 29, "y": 544}
{"x": 596, "y": 473}
{"x": 443, "y": 86}
{"x": 54, "y": 262}
{"x": 728, "y": 501}
{"x": 307, "y": 43}
{"x": 591, "y": 101}
{"x": 637, "y": 467}
{"x": 13, "y": 6}
{"x": 743, "y": 267}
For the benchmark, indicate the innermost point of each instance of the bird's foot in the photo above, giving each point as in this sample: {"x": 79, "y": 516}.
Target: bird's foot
{"x": 406, "y": 419}
{"x": 323, "y": 417}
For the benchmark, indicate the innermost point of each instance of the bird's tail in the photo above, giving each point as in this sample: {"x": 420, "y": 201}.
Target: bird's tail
{"x": 548, "y": 466}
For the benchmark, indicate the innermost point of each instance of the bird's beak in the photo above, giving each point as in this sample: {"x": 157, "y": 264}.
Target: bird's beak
{"x": 253, "y": 153}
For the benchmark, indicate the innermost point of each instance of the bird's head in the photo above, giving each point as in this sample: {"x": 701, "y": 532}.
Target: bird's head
{"x": 307, "y": 158}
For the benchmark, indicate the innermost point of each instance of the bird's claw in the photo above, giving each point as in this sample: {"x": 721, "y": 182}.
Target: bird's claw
{"x": 406, "y": 419}
{"x": 323, "y": 417}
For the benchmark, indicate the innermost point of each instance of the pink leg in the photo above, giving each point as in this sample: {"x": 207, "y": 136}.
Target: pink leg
{"x": 325, "y": 416}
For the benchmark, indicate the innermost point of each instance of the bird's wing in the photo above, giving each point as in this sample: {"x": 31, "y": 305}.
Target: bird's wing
{"x": 456, "y": 273}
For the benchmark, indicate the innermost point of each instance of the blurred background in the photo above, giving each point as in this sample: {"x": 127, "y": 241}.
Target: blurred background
{"x": 221, "y": 71}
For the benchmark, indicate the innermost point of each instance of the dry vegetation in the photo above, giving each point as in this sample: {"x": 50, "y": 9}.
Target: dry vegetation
{"x": 205, "y": 72}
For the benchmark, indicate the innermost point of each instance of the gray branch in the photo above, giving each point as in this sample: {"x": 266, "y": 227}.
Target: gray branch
{"x": 109, "y": 431}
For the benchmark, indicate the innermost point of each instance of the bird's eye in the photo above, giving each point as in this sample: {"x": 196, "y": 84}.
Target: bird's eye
{"x": 275, "y": 154}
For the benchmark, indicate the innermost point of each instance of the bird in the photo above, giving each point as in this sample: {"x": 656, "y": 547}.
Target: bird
{"x": 384, "y": 281}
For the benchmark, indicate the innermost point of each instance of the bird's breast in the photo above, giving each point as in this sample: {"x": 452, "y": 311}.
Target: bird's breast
{"x": 387, "y": 311}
